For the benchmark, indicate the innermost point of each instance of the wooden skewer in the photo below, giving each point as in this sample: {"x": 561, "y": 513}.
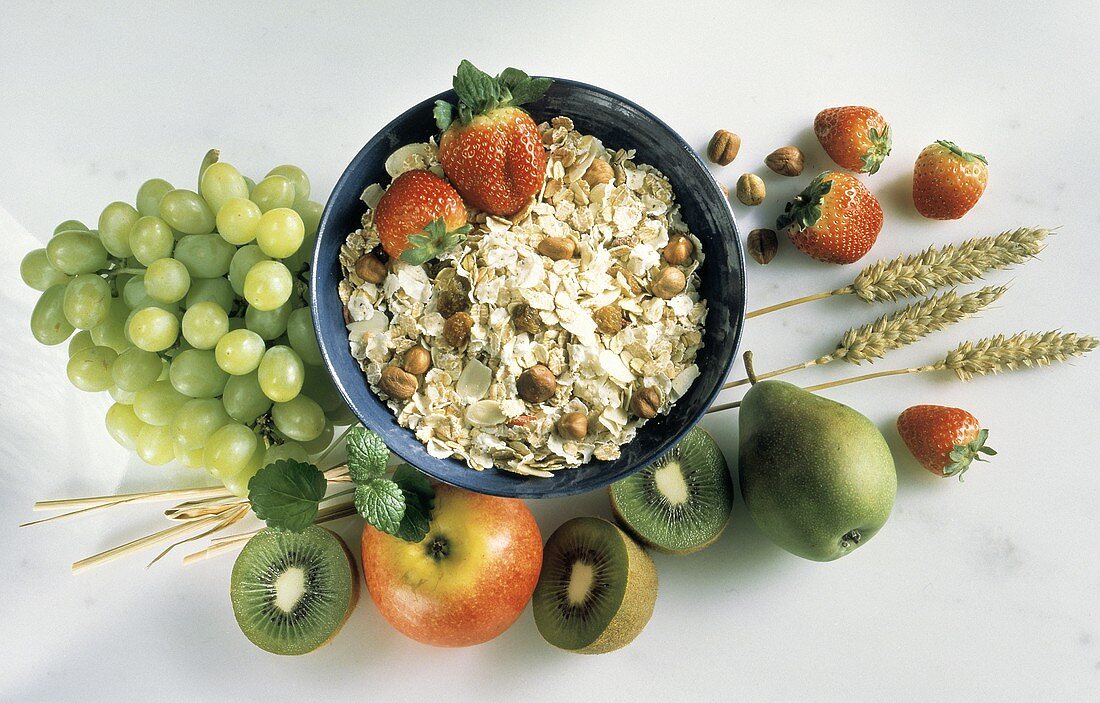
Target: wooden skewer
{"x": 148, "y": 496}
{"x": 143, "y": 542}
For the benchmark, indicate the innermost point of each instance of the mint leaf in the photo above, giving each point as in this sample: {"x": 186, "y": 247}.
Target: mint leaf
{"x": 285, "y": 494}
{"x": 419, "y": 501}
{"x": 367, "y": 455}
{"x": 381, "y": 503}
{"x": 530, "y": 90}
{"x": 511, "y": 77}
{"x": 476, "y": 88}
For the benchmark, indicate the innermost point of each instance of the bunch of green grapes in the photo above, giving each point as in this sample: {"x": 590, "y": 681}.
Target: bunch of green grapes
{"x": 191, "y": 311}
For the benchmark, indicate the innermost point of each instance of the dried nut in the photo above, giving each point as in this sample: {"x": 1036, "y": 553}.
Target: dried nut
{"x": 573, "y": 426}
{"x": 599, "y": 172}
{"x": 397, "y": 383}
{"x": 537, "y": 384}
{"x": 723, "y": 147}
{"x": 669, "y": 282}
{"x": 370, "y": 269}
{"x": 456, "y": 329}
{"x": 762, "y": 245}
{"x": 646, "y": 402}
{"x": 527, "y": 319}
{"x": 452, "y": 301}
{"x": 750, "y": 189}
{"x": 786, "y": 161}
{"x": 417, "y": 360}
{"x": 635, "y": 287}
{"x": 678, "y": 250}
{"x": 609, "y": 319}
{"x": 557, "y": 248}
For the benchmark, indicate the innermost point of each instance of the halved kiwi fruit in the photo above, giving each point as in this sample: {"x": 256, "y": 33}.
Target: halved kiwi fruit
{"x": 292, "y": 592}
{"x": 596, "y": 590}
{"x": 680, "y": 503}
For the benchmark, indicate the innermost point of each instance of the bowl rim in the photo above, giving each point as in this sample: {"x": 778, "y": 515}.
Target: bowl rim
{"x": 520, "y": 489}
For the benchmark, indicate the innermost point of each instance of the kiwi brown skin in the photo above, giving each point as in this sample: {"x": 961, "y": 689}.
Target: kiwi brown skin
{"x": 637, "y": 606}
{"x": 621, "y": 521}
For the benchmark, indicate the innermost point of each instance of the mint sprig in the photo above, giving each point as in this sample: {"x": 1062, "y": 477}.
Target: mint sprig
{"x": 400, "y": 506}
{"x": 285, "y": 494}
{"x": 367, "y": 455}
{"x": 478, "y": 93}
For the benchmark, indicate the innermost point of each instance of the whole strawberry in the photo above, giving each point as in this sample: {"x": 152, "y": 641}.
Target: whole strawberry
{"x": 419, "y": 217}
{"x": 835, "y": 219}
{"x": 948, "y": 181}
{"x": 944, "y": 440}
{"x": 856, "y": 138}
{"x": 492, "y": 150}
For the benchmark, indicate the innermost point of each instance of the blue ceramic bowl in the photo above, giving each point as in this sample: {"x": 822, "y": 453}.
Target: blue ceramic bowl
{"x": 618, "y": 123}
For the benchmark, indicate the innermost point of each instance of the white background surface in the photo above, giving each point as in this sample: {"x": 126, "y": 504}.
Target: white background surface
{"x": 986, "y": 590}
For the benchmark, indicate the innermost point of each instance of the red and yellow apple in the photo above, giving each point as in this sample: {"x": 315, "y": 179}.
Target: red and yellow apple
{"x": 469, "y": 578}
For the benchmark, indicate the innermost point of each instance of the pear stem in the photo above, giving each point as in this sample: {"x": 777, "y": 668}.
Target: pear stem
{"x": 796, "y": 301}
{"x": 748, "y": 368}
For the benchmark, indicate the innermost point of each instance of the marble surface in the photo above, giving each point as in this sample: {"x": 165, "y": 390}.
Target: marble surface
{"x": 985, "y": 590}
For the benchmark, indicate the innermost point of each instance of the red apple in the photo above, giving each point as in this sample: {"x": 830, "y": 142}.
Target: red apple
{"x": 468, "y": 580}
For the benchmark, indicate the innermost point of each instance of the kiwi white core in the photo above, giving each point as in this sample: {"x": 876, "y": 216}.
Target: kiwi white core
{"x": 290, "y": 586}
{"x": 581, "y": 579}
{"x": 669, "y": 480}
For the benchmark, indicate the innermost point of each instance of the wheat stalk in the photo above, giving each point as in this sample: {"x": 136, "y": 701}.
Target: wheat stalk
{"x": 949, "y": 265}
{"x": 892, "y": 331}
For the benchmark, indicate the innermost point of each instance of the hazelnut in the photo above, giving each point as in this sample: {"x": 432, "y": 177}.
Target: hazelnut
{"x": 456, "y": 329}
{"x": 451, "y": 301}
{"x": 537, "y": 384}
{"x": 557, "y": 248}
{"x": 669, "y": 282}
{"x": 616, "y": 271}
{"x": 762, "y": 245}
{"x": 527, "y": 319}
{"x": 750, "y": 189}
{"x": 678, "y": 250}
{"x": 370, "y": 269}
{"x": 599, "y": 172}
{"x": 573, "y": 426}
{"x": 609, "y": 319}
{"x": 723, "y": 147}
{"x": 786, "y": 161}
{"x": 646, "y": 402}
{"x": 397, "y": 383}
{"x": 417, "y": 360}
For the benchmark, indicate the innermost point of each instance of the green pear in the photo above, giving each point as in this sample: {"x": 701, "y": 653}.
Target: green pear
{"x": 817, "y": 476}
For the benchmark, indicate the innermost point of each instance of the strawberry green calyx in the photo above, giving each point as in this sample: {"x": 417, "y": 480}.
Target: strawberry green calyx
{"x": 479, "y": 93}
{"x": 964, "y": 155}
{"x": 963, "y": 454}
{"x": 433, "y": 241}
{"x": 805, "y": 210}
{"x": 881, "y": 143}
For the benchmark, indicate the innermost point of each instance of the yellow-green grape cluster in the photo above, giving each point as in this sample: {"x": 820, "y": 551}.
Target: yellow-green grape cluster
{"x": 190, "y": 310}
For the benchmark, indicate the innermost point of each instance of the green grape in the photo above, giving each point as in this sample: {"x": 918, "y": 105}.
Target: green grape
{"x": 153, "y": 329}
{"x": 267, "y": 285}
{"x": 135, "y": 369}
{"x": 273, "y": 192}
{"x": 70, "y": 226}
{"x": 150, "y": 239}
{"x": 134, "y": 295}
{"x": 243, "y": 398}
{"x": 121, "y": 396}
{"x": 154, "y": 445}
{"x": 297, "y": 178}
{"x": 297, "y": 261}
{"x": 322, "y": 442}
{"x": 191, "y": 458}
{"x": 167, "y": 280}
{"x": 237, "y": 220}
{"x": 280, "y": 232}
{"x": 37, "y": 272}
{"x": 149, "y": 195}
{"x": 80, "y": 341}
{"x": 220, "y": 182}
{"x": 236, "y": 323}
{"x": 115, "y": 223}
{"x": 157, "y": 404}
{"x": 269, "y": 324}
{"x": 281, "y": 374}
{"x": 194, "y": 372}
{"x": 111, "y": 332}
{"x": 229, "y": 448}
{"x": 300, "y": 418}
{"x": 76, "y": 252}
{"x": 205, "y": 255}
{"x": 87, "y": 301}
{"x": 288, "y": 450}
{"x": 310, "y": 212}
{"x": 197, "y": 420}
{"x": 204, "y": 324}
{"x": 239, "y": 352}
{"x": 243, "y": 261}
{"x": 210, "y": 290}
{"x": 302, "y": 336}
{"x": 48, "y": 322}
{"x": 237, "y": 484}
{"x": 251, "y": 185}
{"x": 90, "y": 369}
{"x": 123, "y": 425}
{"x": 186, "y": 211}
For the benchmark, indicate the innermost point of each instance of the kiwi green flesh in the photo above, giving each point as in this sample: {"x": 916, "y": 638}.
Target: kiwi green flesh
{"x": 680, "y": 503}
{"x": 290, "y": 591}
{"x": 582, "y": 583}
